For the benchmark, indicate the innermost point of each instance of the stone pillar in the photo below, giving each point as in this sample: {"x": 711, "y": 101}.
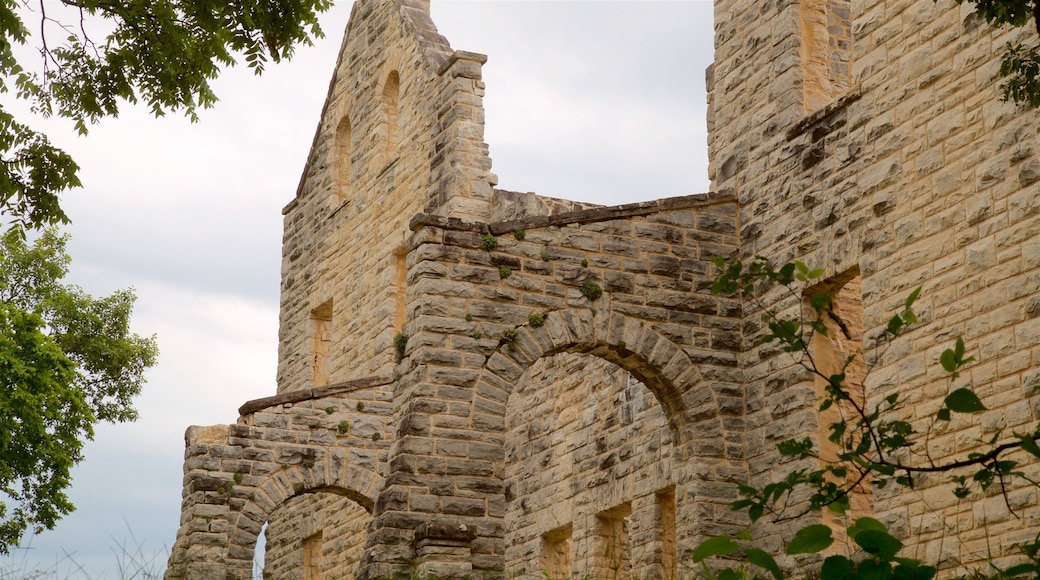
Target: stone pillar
{"x": 200, "y": 549}
{"x": 462, "y": 180}
{"x": 444, "y": 550}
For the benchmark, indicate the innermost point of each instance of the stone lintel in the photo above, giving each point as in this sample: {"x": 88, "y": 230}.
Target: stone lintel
{"x": 255, "y": 405}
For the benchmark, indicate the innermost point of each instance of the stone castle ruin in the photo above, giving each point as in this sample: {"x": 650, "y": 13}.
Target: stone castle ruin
{"x": 475, "y": 382}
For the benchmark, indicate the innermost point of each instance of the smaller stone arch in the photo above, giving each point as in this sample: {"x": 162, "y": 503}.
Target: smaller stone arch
{"x": 246, "y": 519}
{"x": 237, "y": 475}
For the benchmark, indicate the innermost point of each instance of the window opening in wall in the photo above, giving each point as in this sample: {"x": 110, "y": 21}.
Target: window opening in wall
{"x": 844, "y": 339}
{"x": 321, "y": 322}
{"x": 666, "y": 525}
{"x": 613, "y": 558}
{"x": 342, "y": 159}
{"x": 557, "y": 552}
{"x": 312, "y": 557}
{"x": 826, "y": 50}
{"x": 391, "y": 92}
{"x": 401, "y": 290}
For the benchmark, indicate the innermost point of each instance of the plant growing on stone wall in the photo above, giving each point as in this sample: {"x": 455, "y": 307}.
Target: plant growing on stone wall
{"x": 509, "y": 336}
{"x": 519, "y": 234}
{"x": 874, "y": 445}
{"x": 488, "y": 242}
{"x": 546, "y": 256}
{"x": 505, "y": 272}
{"x": 400, "y": 344}
{"x": 343, "y": 427}
{"x": 536, "y": 319}
{"x": 330, "y": 410}
{"x": 591, "y": 290}
{"x": 360, "y": 406}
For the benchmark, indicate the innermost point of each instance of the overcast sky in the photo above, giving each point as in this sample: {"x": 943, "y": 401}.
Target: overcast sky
{"x": 593, "y": 101}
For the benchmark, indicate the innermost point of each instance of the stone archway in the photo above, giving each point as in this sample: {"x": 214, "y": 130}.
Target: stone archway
{"x": 695, "y": 418}
{"x": 236, "y": 476}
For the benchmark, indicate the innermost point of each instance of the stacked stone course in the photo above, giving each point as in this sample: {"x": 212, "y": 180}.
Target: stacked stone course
{"x": 479, "y": 382}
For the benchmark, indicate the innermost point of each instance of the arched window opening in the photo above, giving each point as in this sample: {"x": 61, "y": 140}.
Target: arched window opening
{"x": 400, "y": 289}
{"x": 341, "y": 160}
{"x": 842, "y": 342}
{"x": 321, "y": 343}
{"x": 391, "y": 109}
{"x": 314, "y": 536}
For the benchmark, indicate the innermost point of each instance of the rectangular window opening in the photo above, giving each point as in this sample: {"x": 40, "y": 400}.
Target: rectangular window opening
{"x": 613, "y": 560}
{"x": 557, "y": 552}
{"x": 312, "y": 557}
{"x": 666, "y": 525}
{"x": 321, "y": 343}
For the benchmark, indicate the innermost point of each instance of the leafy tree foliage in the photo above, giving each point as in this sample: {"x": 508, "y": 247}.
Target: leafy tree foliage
{"x": 876, "y": 445}
{"x": 67, "y": 361}
{"x": 1021, "y": 63}
{"x": 163, "y": 53}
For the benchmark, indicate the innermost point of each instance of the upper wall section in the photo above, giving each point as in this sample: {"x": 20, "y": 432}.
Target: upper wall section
{"x": 401, "y": 132}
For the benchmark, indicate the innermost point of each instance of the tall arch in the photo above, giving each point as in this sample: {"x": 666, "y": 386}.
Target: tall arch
{"x": 391, "y": 112}
{"x": 707, "y": 433}
{"x": 342, "y": 159}
{"x": 628, "y": 342}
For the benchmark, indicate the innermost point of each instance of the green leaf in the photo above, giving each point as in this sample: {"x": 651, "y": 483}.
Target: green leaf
{"x": 763, "y": 560}
{"x": 943, "y": 414}
{"x": 718, "y": 546}
{"x": 836, "y": 568}
{"x": 863, "y": 524}
{"x": 1029, "y": 444}
{"x": 743, "y": 535}
{"x": 912, "y": 297}
{"x": 810, "y": 540}
{"x": 1020, "y": 569}
{"x": 894, "y": 324}
{"x": 731, "y": 574}
{"x": 879, "y": 543}
{"x": 948, "y": 360}
{"x": 870, "y": 570}
{"x": 963, "y": 400}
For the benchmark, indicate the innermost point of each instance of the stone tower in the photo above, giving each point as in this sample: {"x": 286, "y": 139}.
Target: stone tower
{"x": 867, "y": 137}
{"x": 478, "y": 382}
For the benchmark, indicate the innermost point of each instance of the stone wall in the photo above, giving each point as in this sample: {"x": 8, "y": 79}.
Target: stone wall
{"x": 538, "y": 385}
{"x": 915, "y": 174}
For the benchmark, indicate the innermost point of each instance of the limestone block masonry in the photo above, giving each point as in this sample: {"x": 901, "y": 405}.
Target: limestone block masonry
{"x": 474, "y": 382}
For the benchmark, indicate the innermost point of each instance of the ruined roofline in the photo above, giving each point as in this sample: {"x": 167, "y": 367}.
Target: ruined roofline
{"x": 585, "y": 216}
{"x": 439, "y": 55}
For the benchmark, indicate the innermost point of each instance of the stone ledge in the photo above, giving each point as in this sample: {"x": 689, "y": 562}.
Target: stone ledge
{"x": 255, "y": 405}
{"x": 820, "y": 114}
{"x": 585, "y": 216}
